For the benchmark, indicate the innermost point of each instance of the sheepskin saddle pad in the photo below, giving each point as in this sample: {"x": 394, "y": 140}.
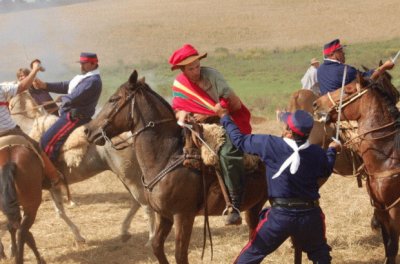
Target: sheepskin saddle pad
{"x": 214, "y": 137}
{"x": 74, "y": 148}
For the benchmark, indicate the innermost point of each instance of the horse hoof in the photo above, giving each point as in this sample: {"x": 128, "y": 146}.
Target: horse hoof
{"x": 80, "y": 242}
{"x": 72, "y": 204}
{"x": 125, "y": 237}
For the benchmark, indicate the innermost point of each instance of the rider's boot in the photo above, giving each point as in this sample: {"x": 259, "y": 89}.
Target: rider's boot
{"x": 56, "y": 178}
{"x": 233, "y": 217}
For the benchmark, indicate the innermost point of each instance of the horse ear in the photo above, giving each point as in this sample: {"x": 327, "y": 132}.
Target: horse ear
{"x": 133, "y": 77}
{"x": 364, "y": 68}
{"x": 142, "y": 80}
{"x": 361, "y": 80}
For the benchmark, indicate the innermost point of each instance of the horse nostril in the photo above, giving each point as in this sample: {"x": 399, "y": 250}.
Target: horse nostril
{"x": 86, "y": 131}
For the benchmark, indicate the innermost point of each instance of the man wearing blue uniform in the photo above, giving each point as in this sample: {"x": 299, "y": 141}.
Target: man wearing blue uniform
{"x": 78, "y": 104}
{"x": 295, "y": 171}
{"x": 330, "y": 73}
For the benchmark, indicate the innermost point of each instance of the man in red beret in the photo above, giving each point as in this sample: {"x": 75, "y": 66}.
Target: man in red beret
{"x": 197, "y": 90}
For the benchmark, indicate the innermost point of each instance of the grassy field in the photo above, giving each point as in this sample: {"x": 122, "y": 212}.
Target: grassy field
{"x": 271, "y": 76}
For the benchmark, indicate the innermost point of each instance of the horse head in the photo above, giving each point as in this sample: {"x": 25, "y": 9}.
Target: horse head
{"x": 133, "y": 107}
{"x": 326, "y": 107}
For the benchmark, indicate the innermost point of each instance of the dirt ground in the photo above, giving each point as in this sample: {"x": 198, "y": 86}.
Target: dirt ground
{"x": 139, "y": 30}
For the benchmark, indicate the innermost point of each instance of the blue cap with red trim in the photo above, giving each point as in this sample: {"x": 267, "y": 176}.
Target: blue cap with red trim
{"x": 332, "y": 46}
{"x": 300, "y": 122}
{"x": 88, "y": 57}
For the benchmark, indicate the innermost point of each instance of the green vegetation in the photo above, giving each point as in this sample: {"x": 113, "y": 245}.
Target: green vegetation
{"x": 263, "y": 79}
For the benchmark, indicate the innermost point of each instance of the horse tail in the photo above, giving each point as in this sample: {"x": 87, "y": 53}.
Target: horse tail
{"x": 8, "y": 193}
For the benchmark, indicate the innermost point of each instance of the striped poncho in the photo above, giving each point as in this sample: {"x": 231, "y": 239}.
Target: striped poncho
{"x": 191, "y": 98}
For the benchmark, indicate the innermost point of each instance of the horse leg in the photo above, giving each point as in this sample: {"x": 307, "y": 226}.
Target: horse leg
{"x": 57, "y": 198}
{"x": 297, "y": 253}
{"x": 163, "y": 228}
{"x": 30, "y": 241}
{"x": 151, "y": 218}
{"x": 252, "y": 218}
{"x": 183, "y": 232}
{"x": 13, "y": 234}
{"x": 390, "y": 241}
{"x": 125, "y": 235}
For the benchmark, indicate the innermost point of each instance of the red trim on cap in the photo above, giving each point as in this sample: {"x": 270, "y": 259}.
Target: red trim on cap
{"x": 293, "y": 127}
{"x": 331, "y": 49}
{"x": 86, "y": 59}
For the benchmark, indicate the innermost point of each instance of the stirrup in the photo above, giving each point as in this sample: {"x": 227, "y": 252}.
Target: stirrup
{"x": 225, "y": 212}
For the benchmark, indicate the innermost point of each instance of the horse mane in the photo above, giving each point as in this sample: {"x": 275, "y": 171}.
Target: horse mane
{"x": 146, "y": 88}
{"x": 390, "y": 95}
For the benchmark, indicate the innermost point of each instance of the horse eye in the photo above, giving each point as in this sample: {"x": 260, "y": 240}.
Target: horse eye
{"x": 114, "y": 99}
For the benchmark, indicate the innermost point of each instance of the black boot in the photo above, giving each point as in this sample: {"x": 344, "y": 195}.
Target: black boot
{"x": 233, "y": 217}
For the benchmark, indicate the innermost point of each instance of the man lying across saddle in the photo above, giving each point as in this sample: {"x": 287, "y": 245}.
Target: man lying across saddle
{"x": 9, "y": 127}
{"x": 330, "y": 73}
{"x": 196, "y": 90}
{"x": 78, "y": 104}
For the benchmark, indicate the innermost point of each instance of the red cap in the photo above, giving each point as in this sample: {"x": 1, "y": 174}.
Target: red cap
{"x": 184, "y": 56}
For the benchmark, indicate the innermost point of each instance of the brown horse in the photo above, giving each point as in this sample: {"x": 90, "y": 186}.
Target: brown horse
{"x": 373, "y": 105}
{"x": 175, "y": 192}
{"x": 123, "y": 163}
{"x": 347, "y": 162}
{"x": 21, "y": 176}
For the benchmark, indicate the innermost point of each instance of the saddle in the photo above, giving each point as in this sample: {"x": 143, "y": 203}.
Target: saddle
{"x": 202, "y": 142}
{"x": 16, "y": 140}
{"x": 74, "y": 148}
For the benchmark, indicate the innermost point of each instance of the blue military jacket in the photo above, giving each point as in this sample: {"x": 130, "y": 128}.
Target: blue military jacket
{"x": 314, "y": 163}
{"x": 83, "y": 99}
{"x": 330, "y": 75}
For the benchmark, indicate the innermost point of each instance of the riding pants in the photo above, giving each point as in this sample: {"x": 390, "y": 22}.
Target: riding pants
{"x": 232, "y": 166}
{"x": 53, "y": 139}
{"x": 306, "y": 227}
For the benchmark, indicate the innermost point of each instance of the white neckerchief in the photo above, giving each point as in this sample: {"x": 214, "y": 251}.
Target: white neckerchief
{"x": 78, "y": 78}
{"x": 294, "y": 159}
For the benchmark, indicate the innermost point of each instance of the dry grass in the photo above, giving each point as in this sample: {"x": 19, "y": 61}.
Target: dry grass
{"x": 103, "y": 203}
{"x": 136, "y": 30}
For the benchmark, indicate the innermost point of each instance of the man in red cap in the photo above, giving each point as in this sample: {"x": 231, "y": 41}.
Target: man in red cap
{"x": 78, "y": 104}
{"x": 330, "y": 73}
{"x": 196, "y": 90}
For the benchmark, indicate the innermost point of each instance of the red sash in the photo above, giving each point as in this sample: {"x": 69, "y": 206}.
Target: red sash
{"x": 191, "y": 98}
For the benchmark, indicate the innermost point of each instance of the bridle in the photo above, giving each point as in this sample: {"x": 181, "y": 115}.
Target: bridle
{"x": 130, "y": 99}
{"x": 349, "y": 100}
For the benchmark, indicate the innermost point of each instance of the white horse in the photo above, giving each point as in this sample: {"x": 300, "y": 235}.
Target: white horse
{"x": 123, "y": 163}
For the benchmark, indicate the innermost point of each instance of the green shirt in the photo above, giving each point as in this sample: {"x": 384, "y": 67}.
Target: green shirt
{"x": 214, "y": 84}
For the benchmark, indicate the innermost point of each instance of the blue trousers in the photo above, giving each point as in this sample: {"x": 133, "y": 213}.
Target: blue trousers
{"x": 53, "y": 139}
{"x": 307, "y": 227}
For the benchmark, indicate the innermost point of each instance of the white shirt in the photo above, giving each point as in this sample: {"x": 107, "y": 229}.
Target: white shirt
{"x": 7, "y": 91}
{"x": 310, "y": 81}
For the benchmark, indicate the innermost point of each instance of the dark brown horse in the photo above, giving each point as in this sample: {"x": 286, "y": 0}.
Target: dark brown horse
{"x": 373, "y": 105}
{"x": 21, "y": 176}
{"x": 175, "y": 192}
